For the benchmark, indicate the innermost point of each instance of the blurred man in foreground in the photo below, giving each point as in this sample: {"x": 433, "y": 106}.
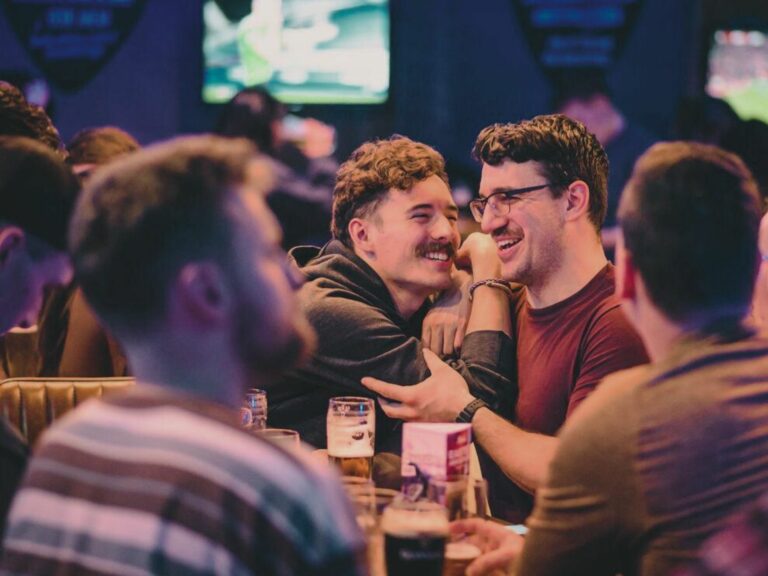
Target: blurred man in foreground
{"x": 37, "y": 192}
{"x": 177, "y": 253}
{"x": 662, "y": 454}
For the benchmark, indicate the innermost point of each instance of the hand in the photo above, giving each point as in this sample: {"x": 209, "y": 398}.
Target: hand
{"x": 445, "y": 324}
{"x": 479, "y": 251}
{"x": 319, "y": 139}
{"x": 439, "y": 398}
{"x": 500, "y": 546}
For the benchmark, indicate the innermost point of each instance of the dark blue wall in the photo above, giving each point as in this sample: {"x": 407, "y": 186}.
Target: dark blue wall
{"x": 457, "y": 66}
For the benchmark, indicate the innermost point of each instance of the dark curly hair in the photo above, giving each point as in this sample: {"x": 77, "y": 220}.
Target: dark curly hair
{"x": 20, "y": 118}
{"x": 563, "y": 147}
{"x": 373, "y": 170}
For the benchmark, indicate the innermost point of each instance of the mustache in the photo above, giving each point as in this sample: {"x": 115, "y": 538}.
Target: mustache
{"x": 446, "y": 247}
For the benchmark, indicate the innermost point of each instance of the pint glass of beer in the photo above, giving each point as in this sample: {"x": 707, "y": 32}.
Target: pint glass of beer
{"x": 254, "y": 413}
{"x": 415, "y": 534}
{"x": 351, "y": 428}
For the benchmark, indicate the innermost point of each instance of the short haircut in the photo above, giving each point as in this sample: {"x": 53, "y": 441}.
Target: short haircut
{"x": 375, "y": 168}
{"x": 690, "y": 215}
{"x": 563, "y": 147}
{"x": 250, "y": 114}
{"x": 142, "y": 217}
{"x": 20, "y": 118}
{"x": 37, "y": 190}
{"x": 100, "y": 145}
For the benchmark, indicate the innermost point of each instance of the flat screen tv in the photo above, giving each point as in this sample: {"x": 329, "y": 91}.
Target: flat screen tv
{"x": 738, "y": 71}
{"x": 303, "y": 51}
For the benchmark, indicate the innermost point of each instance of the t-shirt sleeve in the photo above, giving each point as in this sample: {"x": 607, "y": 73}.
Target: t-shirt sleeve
{"x": 610, "y": 344}
{"x": 578, "y": 523}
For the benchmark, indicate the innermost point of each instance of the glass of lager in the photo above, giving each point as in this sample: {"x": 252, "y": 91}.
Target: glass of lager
{"x": 254, "y": 413}
{"x": 415, "y": 534}
{"x": 351, "y": 429}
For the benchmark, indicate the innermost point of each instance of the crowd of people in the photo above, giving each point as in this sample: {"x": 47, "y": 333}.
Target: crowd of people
{"x": 618, "y": 408}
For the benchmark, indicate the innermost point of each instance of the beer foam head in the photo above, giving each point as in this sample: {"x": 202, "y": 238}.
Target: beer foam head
{"x": 415, "y": 518}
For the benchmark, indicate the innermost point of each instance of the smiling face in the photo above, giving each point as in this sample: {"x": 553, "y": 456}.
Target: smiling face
{"x": 410, "y": 239}
{"x": 530, "y": 238}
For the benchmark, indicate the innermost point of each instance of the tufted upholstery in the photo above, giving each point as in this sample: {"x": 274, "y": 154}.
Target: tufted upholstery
{"x": 31, "y": 404}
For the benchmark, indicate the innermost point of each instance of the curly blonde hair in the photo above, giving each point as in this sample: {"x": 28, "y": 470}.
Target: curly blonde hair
{"x": 374, "y": 169}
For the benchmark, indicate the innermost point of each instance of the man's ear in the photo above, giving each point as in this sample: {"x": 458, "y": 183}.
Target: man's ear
{"x": 577, "y": 195}
{"x": 203, "y": 293}
{"x": 359, "y": 232}
{"x": 11, "y": 240}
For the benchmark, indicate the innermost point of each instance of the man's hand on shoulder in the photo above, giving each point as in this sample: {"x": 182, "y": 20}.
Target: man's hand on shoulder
{"x": 446, "y": 322}
{"x": 439, "y": 398}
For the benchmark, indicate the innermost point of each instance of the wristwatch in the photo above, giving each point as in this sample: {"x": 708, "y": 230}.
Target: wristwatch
{"x": 468, "y": 413}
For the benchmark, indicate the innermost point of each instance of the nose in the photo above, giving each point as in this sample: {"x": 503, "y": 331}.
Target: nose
{"x": 492, "y": 220}
{"x": 444, "y": 229}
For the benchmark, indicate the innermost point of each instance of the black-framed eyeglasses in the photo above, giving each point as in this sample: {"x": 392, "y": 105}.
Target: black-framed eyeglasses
{"x": 500, "y": 202}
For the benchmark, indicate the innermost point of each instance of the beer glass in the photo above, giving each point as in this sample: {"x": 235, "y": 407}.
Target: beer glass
{"x": 463, "y": 498}
{"x": 415, "y": 534}
{"x": 254, "y": 413}
{"x": 281, "y": 436}
{"x": 351, "y": 425}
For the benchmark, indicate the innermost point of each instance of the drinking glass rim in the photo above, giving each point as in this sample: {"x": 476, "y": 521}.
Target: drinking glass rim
{"x": 350, "y": 400}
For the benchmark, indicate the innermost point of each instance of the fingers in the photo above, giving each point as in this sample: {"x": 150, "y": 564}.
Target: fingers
{"x": 434, "y": 339}
{"x": 499, "y": 559}
{"x": 433, "y": 361}
{"x": 467, "y": 526}
{"x": 446, "y": 346}
{"x": 400, "y": 411}
{"x": 458, "y": 338}
{"x": 390, "y": 391}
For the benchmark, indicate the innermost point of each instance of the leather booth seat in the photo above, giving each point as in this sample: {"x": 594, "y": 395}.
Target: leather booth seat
{"x": 31, "y": 404}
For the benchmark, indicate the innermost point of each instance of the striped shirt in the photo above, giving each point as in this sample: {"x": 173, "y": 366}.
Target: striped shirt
{"x": 149, "y": 483}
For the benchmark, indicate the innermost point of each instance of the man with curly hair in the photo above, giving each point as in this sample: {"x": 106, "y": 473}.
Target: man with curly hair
{"x": 368, "y": 290}
{"x": 20, "y": 118}
{"x": 542, "y": 201}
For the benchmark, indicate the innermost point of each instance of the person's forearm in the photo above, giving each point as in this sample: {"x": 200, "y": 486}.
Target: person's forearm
{"x": 523, "y": 456}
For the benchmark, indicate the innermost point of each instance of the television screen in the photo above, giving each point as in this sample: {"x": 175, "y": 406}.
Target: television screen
{"x": 303, "y": 51}
{"x": 738, "y": 71}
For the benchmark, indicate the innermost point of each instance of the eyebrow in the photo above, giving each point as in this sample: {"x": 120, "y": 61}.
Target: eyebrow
{"x": 450, "y": 207}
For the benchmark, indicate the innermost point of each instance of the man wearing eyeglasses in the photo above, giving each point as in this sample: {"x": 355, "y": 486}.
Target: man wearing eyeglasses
{"x": 543, "y": 201}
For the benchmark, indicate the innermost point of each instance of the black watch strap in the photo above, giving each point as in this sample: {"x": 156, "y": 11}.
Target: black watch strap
{"x": 468, "y": 413}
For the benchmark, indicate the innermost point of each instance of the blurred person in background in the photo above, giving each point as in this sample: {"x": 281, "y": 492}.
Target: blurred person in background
{"x": 37, "y": 192}
{"x": 584, "y": 96}
{"x": 71, "y": 340}
{"x": 301, "y": 151}
{"x": 177, "y": 252}
{"x": 20, "y": 118}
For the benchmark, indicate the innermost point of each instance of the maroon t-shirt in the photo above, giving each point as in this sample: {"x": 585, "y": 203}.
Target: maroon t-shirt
{"x": 563, "y": 351}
